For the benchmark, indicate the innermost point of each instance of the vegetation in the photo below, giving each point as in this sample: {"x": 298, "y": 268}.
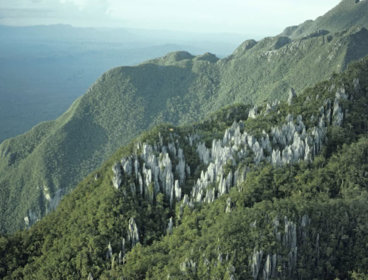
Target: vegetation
{"x": 325, "y": 200}
{"x": 346, "y": 14}
{"x": 40, "y": 166}
{"x": 43, "y": 69}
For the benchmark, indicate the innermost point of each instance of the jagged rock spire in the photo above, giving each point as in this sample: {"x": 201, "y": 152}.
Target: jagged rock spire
{"x": 109, "y": 251}
{"x": 170, "y": 226}
{"x": 133, "y": 235}
{"x": 117, "y": 179}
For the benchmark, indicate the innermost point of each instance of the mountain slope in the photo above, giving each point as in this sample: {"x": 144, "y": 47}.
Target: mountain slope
{"x": 43, "y": 69}
{"x": 39, "y": 167}
{"x": 346, "y": 14}
{"x": 281, "y": 193}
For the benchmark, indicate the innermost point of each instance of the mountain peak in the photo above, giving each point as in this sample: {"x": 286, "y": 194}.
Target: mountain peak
{"x": 210, "y": 57}
{"x": 246, "y": 45}
{"x": 346, "y": 14}
{"x": 178, "y": 56}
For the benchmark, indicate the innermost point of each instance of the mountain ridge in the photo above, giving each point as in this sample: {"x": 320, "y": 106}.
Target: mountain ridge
{"x": 179, "y": 88}
{"x": 273, "y": 191}
{"x": 346, "y": 14}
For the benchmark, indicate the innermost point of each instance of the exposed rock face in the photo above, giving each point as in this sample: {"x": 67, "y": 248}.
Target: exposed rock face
{"x": 31, "y": 218}
{"x": 256, "y": 263}
{"x": 26, "y": 221}
{"x": 152, "y": 170}
{"x": 271, "y": 107}
{"x": 117, "y": 179}
{"x": 161, "y": 167}
{"x": 290, "y": 237}
{"x": 285, "y": 144}
{"x": 253, "y": 112}
{"x": 133, "y": 235}
{"x": 228, "y": 205}
{"x": 269, "y": 269}
{"x": 204, "y": 153}
{"x": 290, "y": 241}
{"x": 170, "y": 226}
{"x": 109, "y": 251}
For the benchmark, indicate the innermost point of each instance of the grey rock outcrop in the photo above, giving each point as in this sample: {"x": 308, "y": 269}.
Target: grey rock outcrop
{"x": 170, "y": 226}
{"x": 269, "y": 269}
{"x": 204, "y": 153}
{"x": 228, "y": 205}
{"x": 161, "y": 167}
{"x": 256, "y": 263}
{"x": 133, "y": 235}
{"x": 109, "y": 251}
{"x": 290, "y": 241}
{"x": 155, "y": 169}
{"x": 271, "y": 107}
{"x": 117, "y": 179}
{"x": 253, "y": 112}
{"x": 31, "y": 218}
{"x": 267, "y": 263}
{"x": 287, "y": 143}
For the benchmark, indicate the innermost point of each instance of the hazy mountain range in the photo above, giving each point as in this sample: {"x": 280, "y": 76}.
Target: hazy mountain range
{"x": 43, "y": 69}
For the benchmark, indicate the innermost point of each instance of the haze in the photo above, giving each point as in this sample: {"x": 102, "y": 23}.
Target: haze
{"x": 43, "y": 69}
{"x": 258, "y": 18}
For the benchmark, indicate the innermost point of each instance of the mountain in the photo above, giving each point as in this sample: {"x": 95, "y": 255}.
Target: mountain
{"x": 40, "y": 166}
{"x": 277, "y": 192}
{"x": 43, "y": 69}
{"x": 346, "y": 14}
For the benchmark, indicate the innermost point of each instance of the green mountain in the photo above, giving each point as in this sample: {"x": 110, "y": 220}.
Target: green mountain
{"x": 346, "y": 14}
{"x": 274, "y": 193}
{"x": 40, "y": 166}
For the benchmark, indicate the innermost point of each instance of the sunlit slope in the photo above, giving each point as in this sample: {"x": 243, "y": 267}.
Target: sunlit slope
{"x": 277, "y": 194}
{"x": 346, "y": 14}
{"x": 40, "y": 166}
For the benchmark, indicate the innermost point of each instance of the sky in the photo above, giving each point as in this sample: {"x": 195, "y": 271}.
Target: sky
{"x": 263, "y": 17}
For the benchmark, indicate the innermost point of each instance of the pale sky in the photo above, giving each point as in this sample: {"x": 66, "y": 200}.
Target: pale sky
{"x": 210, "y": 16}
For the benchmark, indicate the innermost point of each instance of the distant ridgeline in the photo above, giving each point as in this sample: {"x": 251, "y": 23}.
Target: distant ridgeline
{"x": 40, "y": 166}
{"x": 277, "y": 191}
{"x": 346, "y": 14}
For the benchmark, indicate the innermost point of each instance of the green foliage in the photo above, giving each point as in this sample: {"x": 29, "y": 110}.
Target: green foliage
{"x": 178, "y": 88}
{"x": 346, "y": 14}
{"x": 202, "y": 235}
{"x": 207, "y": 242}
